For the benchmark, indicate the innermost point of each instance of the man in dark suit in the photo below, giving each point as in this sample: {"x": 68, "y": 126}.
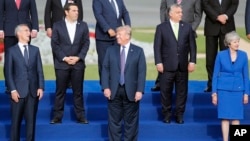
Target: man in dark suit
{"x": 13, "y": 13}
{"x": 123, "y": 82}
{"x": 109, "y": 15}
{"x": 247, "y": 19}
{"x": 192, "y": 13}
{"x": 26, "y": 83}
{"x": 219, "y": 21}
{"x": 54, "y": 12}
{"x": 175, "y": 56}
{"x": 70, "y": 44}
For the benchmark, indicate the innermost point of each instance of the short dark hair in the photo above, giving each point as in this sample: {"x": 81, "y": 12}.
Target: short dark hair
{"x": 68, "y": 5}
{"x": 170, "y": 8}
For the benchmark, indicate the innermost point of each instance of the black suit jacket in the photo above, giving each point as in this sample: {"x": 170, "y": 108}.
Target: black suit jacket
{"x": 134, "y": 73}
{"x": 10, "y": 16}
{"x": 54, "y": 12}
{"x": 62, "y": 46}
{"x": 21, "y": 77}
{"x": 212, "y": 9}
{"x": 171, "y": 52}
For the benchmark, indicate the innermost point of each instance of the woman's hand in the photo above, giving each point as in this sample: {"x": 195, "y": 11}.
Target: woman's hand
{"x": 214, "y": 98}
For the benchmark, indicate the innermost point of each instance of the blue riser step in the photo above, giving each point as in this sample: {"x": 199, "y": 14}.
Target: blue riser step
{"x": 201, "y": 123}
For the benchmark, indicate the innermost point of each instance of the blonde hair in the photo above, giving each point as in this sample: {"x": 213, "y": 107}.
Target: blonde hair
{"x": 125, "y": 28}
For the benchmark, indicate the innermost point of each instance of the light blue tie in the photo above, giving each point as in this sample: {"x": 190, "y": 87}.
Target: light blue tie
{"x": 122, "y": 58}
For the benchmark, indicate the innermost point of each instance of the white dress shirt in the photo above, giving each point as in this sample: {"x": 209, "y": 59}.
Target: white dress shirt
{"x": 22, "y": 48}
{"x": 63, "y": 2}
{"x": 71, "y": 27}
{"x": 126, "y": 50}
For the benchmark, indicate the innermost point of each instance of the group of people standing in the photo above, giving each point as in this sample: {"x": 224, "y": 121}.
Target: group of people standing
{"x": 121, "y": 64}
{"x": 122, "y": 77}
{"x": 228, "y": 79}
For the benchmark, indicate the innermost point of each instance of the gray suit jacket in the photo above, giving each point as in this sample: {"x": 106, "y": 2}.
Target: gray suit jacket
{"x": 192, "y": 11}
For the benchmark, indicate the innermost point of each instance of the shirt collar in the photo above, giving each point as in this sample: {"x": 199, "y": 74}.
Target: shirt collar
{"x": 67, "y": 22}
{"x": 21, "y": 44}
{"x": 126, "y": 45}
{"x": 172, "y": 22}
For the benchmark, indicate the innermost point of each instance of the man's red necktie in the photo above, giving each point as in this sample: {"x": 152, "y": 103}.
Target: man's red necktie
{"x": 18, "y": 2}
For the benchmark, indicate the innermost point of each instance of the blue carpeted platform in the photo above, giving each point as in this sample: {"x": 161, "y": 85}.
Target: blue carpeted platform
{"x": 201, "y": 123}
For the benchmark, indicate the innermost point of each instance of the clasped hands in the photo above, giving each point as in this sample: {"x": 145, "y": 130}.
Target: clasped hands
{"x": 222, "y": 18}
{"x": 71, "y": 60}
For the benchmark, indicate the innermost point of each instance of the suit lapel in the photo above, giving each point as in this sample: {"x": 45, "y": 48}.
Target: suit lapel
{"x": 20, "y": 54}
{"x": 77, "y": 31}
{"x": 14, "y": 3}
{"x": 129, "y": 56}
{"x": 181, "y": 26}
{"x": 110, "y": 6}
{"x": 64, "y": 27}
{"x": 171, "y": 29}
{"x": 117, "y": 55}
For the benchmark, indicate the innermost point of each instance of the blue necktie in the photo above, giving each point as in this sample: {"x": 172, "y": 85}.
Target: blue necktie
{"x": 122, "y": 58}
{"x": 25, "y": 55}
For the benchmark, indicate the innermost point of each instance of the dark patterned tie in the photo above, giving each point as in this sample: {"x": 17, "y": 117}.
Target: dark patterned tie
{"x": 113, "y": 5}
{"x": 122, "y": 58}
{"x": 25, "y": 55}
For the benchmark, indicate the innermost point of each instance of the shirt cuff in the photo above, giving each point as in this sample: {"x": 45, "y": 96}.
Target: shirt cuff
{"x": 226, "y": 16}
{"x": 13, "y": 91}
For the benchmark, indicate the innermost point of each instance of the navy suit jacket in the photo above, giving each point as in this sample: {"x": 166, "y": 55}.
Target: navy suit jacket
{"x": 10, "y": 16}
{"x": 212, "y": 9}
{"x": 62, "y": 46}
{"x": 171, "y": 52}
{"x": 106, "y": 18}
{"x": 231, "y": 76}
{"x": 22, "y": 77}
{"x": 54, "y": 12}
{"x": 134, "y": 73}
{"x": 247, "y": 17}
